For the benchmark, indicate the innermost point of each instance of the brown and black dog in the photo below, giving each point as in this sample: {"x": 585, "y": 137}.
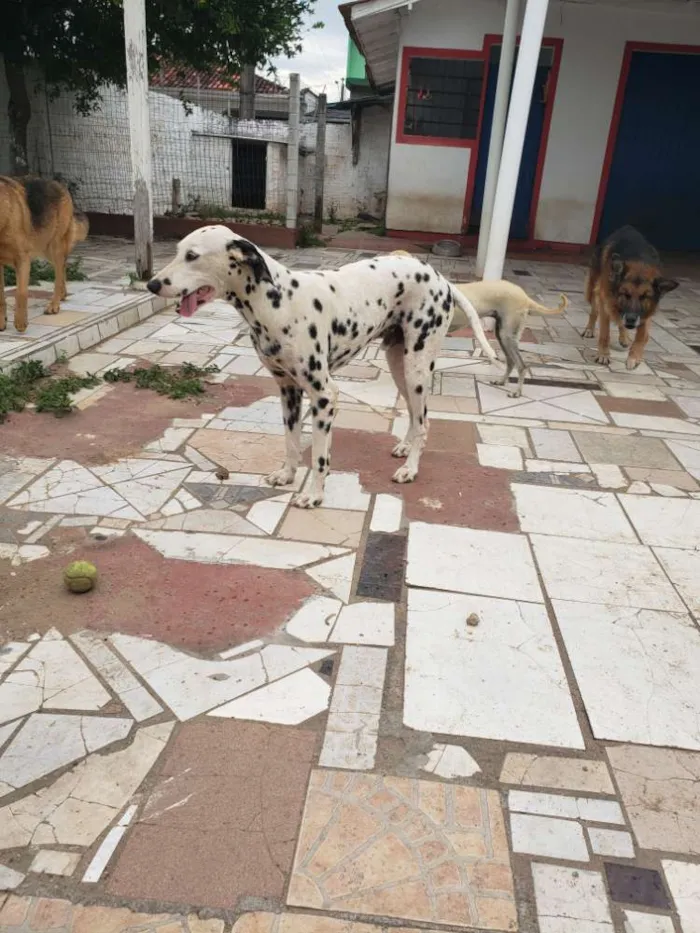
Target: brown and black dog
{"x": 37, "y": 219}
{"x": 624, "y": 287}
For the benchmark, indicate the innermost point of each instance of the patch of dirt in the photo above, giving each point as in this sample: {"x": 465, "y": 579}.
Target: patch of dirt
{"x": 198, "y": 607}
{"x": 120, "y": 423}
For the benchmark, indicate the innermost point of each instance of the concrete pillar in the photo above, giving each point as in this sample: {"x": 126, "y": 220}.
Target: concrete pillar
{"x": 498, "y": 126}
{"x": 293, "y": 153}
{"x": 516, "y": 126}
{"x": 140, "y": 133}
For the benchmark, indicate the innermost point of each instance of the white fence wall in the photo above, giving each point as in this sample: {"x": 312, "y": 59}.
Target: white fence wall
{"x": 193, "y": 144}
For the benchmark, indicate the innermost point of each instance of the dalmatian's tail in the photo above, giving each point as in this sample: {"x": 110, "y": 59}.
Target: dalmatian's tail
{"x": 466, "y": 316}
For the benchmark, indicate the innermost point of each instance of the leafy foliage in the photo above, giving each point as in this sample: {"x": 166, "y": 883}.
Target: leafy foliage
{"x": 42, "y": 271}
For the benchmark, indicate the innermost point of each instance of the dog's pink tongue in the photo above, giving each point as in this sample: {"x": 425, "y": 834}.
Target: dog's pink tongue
{"x": 188, "y": 305}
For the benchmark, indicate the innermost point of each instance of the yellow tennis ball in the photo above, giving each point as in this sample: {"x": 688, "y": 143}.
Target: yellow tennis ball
{"x": 80, "y": 576}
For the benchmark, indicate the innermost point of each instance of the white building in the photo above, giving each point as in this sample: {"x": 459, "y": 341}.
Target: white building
{"x": 605, "y": 113}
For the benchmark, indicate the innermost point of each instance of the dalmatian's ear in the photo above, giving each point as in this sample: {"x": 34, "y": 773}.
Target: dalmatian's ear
{"x": 245, "y": 252}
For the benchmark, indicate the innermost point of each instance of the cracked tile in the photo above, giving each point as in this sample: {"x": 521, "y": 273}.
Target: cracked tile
{"x": 574, "y": 513}
{"x": 661, "y": 792}
{"x": 365, "y": 623}
{"x": 402, "y": 847}
{"x": 145, "y": 484}
{"x": 314, "y": 621}
{"x": 72, "y": 489}
{"x": 637, "y": 922}
{"x": 570, "y": 808}
{"x": 665, "y": 522}
{"x": 289, "y": 701}
{"x": 548, "y": 836}
{"x": 47, "y": 742}
{"x": 242, "y": 452}
{"x": 610, "y": 842}
{"x": 683, "y": 880}
{"x": 625, "y": 451}
{"x": 570, "y": 900}
{"x": 450, "y": 761}
{"x": 573, "y": 774}
{"x": 52, "y": 676}
{"x": 637, "y": 670}
{"x": 445, "y": 557}
{"x": 210, "y": 548}
{"x": 53, "y": 862}
{"x": 335, "y": 575}
{"x": 78, "y": 806}
{"x": 15, "y": 473}
{"x": 595, "y": 576}
{"x": 190, "y": 685}
{"x": 454, "y": 678}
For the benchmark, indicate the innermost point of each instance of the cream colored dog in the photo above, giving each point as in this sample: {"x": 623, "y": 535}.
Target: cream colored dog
{"x": 508, "y": 305}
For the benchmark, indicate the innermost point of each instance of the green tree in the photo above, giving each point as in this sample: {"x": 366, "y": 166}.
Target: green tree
{"x": 78, "y": 45}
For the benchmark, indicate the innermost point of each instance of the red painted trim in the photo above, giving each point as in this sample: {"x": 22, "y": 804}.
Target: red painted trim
{"x": 122, "y": 225}
{"x": 413, "y": 51}
{"x": 630, "y": 48}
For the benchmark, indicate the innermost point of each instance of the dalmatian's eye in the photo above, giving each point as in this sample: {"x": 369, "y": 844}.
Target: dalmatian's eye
{"x": 190, "y": 256}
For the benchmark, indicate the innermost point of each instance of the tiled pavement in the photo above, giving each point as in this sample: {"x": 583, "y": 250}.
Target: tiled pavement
{"x": 467, "y": 703}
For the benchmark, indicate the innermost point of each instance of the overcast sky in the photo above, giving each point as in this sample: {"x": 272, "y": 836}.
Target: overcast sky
{"x": 322, "y": 61}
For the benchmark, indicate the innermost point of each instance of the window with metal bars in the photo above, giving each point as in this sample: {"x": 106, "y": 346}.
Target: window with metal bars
{"x": 443, "y": 97}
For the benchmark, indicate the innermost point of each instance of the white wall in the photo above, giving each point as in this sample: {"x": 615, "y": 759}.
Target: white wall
{"x": 594, "y": 41}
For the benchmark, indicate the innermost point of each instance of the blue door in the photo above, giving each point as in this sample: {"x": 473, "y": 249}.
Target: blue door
{"x": 654, "y": 181}
{"x": 531, "y": 149}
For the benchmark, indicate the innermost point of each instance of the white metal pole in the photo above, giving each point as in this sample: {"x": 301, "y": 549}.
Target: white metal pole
{"x": 514, "y": 139}
{"x": 498, "y": 126}
{"x": 293, "y": 152}
{"x": 140, "y": 132}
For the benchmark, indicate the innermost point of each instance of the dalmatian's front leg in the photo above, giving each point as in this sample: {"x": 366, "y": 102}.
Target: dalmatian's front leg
{"x": 291, "y": 396}
{"x": 323, "y": 394}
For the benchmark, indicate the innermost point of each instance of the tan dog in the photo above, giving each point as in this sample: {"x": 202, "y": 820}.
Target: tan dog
{"x": 37, "y": 219}
{"x": 509, "y": 305}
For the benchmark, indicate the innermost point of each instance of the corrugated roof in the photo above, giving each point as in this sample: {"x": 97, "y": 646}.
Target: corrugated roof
{"x": 215, "y": 80}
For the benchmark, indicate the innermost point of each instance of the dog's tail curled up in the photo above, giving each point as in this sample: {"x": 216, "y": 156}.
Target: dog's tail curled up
{"x": 541, "y": 309}
{"x": 470, "y": 316}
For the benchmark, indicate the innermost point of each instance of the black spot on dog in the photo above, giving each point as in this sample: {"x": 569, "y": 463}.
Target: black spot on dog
{"x": 294, "y": 283}
{"x": 419, "y": 277}
{"x": 285, "y": 331}
{"x": 318, "y": 305}
{"x": 313, "y": 332}
{"x": 322, "y": 402}
{"x": 275, "y": 297}
{"x": 432, "y": 365}
{"x": 419, "y": 390}
{"x": 332, "y": 288}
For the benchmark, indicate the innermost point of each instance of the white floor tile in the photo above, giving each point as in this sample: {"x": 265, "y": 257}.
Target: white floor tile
{"x": 47, "y": 742}
{"x": 9, "y": 878}
{"x": 683, "y": 879}
{"x": 653, "y": 423}
{"x": 665, "y": 522}
{"x": 554, "y": 445}
{"x": 366, "y": 623}
{"x": 555, "y": 466}
{"x": 597, "y": 572}
{"x": 504, "y": 435}
{"x": 470, "y": 681}
{"x": 450, "y": 761}
{"x": 53, "y": 862}
{"x": 592, "y": 809}
{"x": 289, "y": 701}
{"x": 343, "y": 491}
{"x": 465, "y": 560}
{"x": 268, "y": 513}
{"x": 612, "y": 842}
{"x": 314, "y": 621}
{"x": 638, "y": 922}
{"x": 386, "y": 515}
{"x": 682, "y": 568}
{"x": 548, "y": 836}
{"x": 570, "y": 900}
{"x": 190, "y": 685}
{"x": 637, "y": 670}
{"x": 233, "y": 549}
{"x": 500, "y": 456}
{"x": 688, "y": 452}
{"x": 608, "y": 475}
{"x": 335, "y": 575}
{"x": 10, "y": 653}
{"x": 573, "y": 513}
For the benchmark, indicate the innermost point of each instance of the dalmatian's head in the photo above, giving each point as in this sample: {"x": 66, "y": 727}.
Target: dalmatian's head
{"x": 211, "y": 262}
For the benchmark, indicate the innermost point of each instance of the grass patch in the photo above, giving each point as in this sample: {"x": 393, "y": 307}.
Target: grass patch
{"x": 42, "y": 271}
{"x": 30, "y": 383}
{"x": 176, "y": 382}
{"x": 307, "y": 236}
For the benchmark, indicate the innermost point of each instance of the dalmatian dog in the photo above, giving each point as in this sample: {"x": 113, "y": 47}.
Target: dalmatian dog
{"x": 306, "y": 325}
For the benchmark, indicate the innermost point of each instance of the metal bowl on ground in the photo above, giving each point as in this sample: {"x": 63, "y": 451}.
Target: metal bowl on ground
{"x": 448, "y": 248}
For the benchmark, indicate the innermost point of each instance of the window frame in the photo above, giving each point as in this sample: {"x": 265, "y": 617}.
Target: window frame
{"x": 411, "y": 52}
